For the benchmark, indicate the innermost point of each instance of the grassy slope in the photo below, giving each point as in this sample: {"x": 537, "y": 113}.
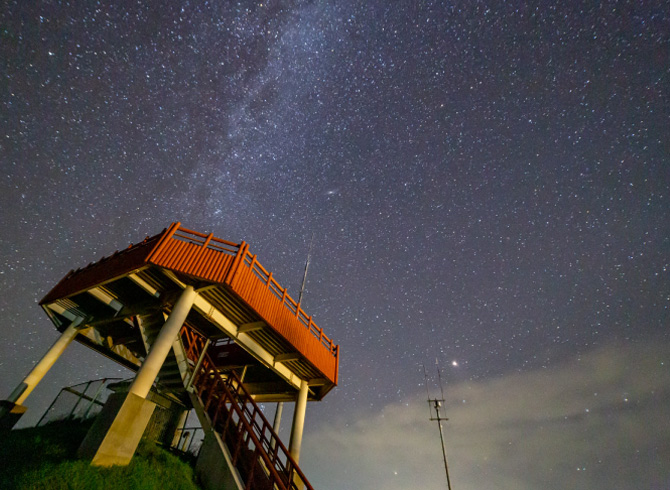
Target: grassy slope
{"x": 45, "y": 458}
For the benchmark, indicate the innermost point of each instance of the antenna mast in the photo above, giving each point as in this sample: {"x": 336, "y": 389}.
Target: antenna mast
{"x": 304, "y": 277}
{"x": 436, "y": 403}
{"x": 280, "y": 405}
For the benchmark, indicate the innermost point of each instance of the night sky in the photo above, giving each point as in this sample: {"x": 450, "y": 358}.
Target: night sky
{"x": 488, "y": 185}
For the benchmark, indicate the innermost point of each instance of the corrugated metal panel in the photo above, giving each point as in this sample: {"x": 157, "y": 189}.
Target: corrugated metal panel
{"x": 193, "y": 260}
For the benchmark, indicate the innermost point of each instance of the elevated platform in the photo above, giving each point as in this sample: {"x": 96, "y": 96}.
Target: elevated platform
{"x": 258, "y": 331}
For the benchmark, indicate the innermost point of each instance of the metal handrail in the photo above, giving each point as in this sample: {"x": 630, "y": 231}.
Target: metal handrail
{"x": 231, "y": 407}
{"x": 242, "y": 257}
{"x": 292, "y": 305}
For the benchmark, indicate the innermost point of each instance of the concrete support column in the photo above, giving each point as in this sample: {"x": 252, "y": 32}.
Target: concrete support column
{"x": 179, "y": 431}
{"x": 278, "y": 412}
{"x": 113, "y": 438}
{"x": 277, "y": 422}
{"x": 41, "y": 368}
{"x": 160, "y": 349}
{"x": 298, "y": 421}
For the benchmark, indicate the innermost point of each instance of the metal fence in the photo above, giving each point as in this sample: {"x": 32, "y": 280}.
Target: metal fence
{"x": 81, "y": 401}
{"x": 85, "y": 401}
{"x": 190, "y": 440}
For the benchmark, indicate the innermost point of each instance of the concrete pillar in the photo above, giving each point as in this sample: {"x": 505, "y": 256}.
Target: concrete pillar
{"x": 41, "y": 368}
{"x": 117, "y": 430}
{"x": 114, "y": 440}
{"x": 160, "y": 349}
{"x": 278, "y": 412}
{"x": 179, "y": 431}
{"x": 277, "y": 422}
{"x": 298, "y": 421}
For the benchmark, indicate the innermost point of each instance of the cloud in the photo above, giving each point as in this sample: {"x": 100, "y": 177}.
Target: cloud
{"x": 601, "y": 421}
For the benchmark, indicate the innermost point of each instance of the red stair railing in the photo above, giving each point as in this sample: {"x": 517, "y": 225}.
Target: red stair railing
{"x": 257, "y": 452}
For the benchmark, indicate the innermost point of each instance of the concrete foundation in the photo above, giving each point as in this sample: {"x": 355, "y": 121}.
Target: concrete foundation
{"x": 10, "y": 413}
{"x": 117, "y": 431}
{"x": 215, "y": 467}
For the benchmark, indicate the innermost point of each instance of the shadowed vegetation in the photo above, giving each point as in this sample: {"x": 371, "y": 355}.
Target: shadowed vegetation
{"x": 44, "y": 458}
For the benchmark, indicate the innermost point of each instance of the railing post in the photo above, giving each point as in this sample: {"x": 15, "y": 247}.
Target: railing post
{"x": 250, "y": 477}
{"x": 237, "y": 261}
{"x": 209, "y": 239}
{"x": 81, "y": 395}
{"x": 240, "y": 437}
{"x": 337, "y": 362}
{"x": 217, "y": 410}
{"x": 198, "y": 364}
{"x": 166, "y": 236}
{"x": 228, "y": 419}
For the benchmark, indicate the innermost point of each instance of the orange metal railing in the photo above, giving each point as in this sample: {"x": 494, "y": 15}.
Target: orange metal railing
{"x": 232, "y": 264}
{"x": 260, "y": 457}
{"x": 289, "y": 303}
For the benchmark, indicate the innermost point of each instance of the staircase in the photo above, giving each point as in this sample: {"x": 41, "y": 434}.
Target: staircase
{"x": 260, "y": 458}
{"x": 174, "y": 371}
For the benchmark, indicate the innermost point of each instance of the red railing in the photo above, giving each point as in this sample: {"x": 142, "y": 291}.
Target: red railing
{"x": 280, "y": 293}
{"x": 241, "y": 252}
{"x": 259, "y": 456}
{"x": 232, "y": 264}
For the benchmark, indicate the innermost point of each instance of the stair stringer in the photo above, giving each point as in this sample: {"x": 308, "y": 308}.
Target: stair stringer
{"x": 214, "y": 466}
{"x": 259, "y": 458}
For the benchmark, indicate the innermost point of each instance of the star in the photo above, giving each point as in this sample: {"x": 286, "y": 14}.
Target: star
{"x": 486, "y": 186}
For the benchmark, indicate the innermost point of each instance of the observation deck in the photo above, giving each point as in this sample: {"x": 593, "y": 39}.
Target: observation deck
{"x": 257, "y": 329}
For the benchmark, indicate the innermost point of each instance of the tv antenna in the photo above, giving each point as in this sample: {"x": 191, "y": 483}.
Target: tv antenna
{"x": 436, "y": 404}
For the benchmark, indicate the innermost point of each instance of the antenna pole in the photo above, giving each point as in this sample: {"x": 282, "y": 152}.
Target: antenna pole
{"x": 304, "y": 277}
{"x": 436, "y": 404}
{"x": 425, "y": 377}
{"x": 439, "y": 378}
{"x": 280, "y": 405}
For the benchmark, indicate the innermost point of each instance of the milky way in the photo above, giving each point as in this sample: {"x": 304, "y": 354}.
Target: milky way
{"x": 486, "y": 182}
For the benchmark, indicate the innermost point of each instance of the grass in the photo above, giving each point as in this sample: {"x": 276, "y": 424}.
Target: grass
{"x": 44, "y": 458}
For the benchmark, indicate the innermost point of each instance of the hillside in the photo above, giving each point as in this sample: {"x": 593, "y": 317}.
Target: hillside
{"x": 45, "y": 458}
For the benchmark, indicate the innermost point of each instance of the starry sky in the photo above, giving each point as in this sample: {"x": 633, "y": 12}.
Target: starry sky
{"x": 488, "y": 185}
